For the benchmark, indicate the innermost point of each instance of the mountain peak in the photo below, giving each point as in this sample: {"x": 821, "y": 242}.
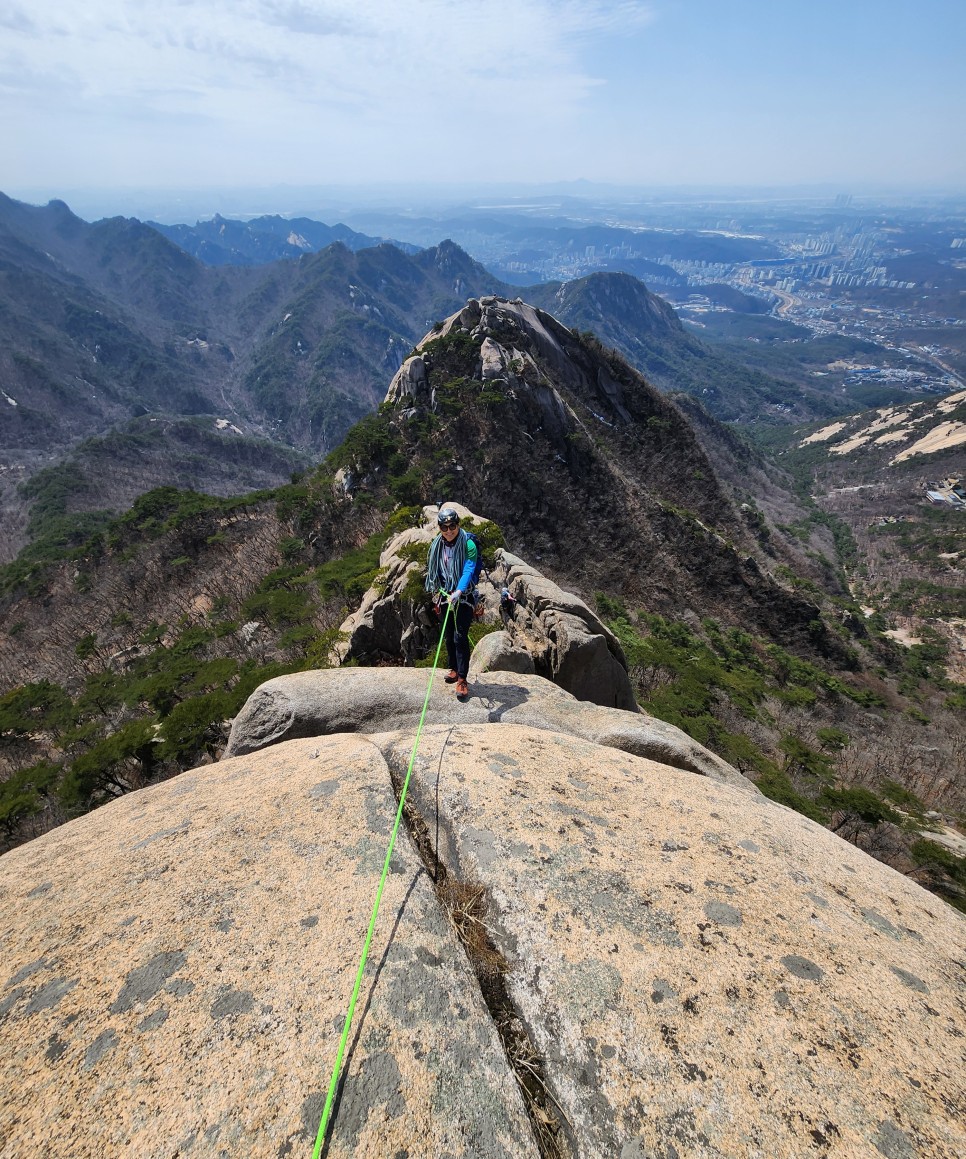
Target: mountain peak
{"x": 503, "y": 408}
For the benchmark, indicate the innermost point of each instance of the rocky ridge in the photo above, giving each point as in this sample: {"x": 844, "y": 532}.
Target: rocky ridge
{"x": 545, "y": 630}
{"x": 575, "y": 455}
{"x": 692, "y": 969}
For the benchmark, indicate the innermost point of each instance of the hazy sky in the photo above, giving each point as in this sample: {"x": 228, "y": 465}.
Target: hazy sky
{"x": 192, "y": 93}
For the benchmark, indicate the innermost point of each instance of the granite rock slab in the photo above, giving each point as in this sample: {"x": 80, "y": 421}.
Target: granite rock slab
{"x": 383, "y": 699}
{"x": 176, "y": 969}
{"x": 706, "y": 974}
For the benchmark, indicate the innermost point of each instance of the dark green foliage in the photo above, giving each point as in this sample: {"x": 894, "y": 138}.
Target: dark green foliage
{"x": 281, "y": 606}
{"x": 26, "y": 793}
{"x": 931, "y": 853}
{"x": 53, "y": 491}
{"x": 291, "y": 500}
{"x": 455, "y": 354}
{"x": 776, "y": 784}
{"x": 804, "y": 762}
{"x": 158, "y": 512}
{"x": 489, "y": 539}
{"x": 454, "y": 395}
{"x": 32, "y": 708}
{"x": 927, "y": 599}
{"x": 682, "y": 675}
{"x": 191, "y": 730}
{"x": 368, "y": 444}
{"x": 905, "y": 798}
{"x": 608, "y": 608}
{"x": 957, "y": 700}
{"x": 86, "y": 646}
{"x": 402, "y": 519}
{"x": 832, "y": 739}
{"x": 943, "y": 871}
{"x": 857, "y": 803}
{"x": 684, "y": 678}
{"x": 112, "y": 766}
{"x": 291, "y": 548}
{"x": 350, "y": 576}
{"x": 408, "y": 487}
{"x": 56, "y": 529}
{"x": 102, "y": 692}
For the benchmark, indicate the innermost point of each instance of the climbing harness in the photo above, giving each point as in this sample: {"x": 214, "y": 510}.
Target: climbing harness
{"x": 334, "y": 1082}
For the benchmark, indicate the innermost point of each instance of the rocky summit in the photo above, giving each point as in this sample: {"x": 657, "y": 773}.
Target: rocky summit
{"x": 580, "y": 952}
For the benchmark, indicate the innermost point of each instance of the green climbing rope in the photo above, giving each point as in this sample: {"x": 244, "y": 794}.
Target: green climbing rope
{"x": 337, "y": 1069}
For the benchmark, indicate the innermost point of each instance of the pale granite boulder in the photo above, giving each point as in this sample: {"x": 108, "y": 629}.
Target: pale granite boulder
{"x": 569, "y": 642}
{"x": 703, "y": 973}
{"x": 700, "y": 972}
{"x": 496, "y": 652}
{"x": 381, "y": 699}
{"x": 177, "y": 967}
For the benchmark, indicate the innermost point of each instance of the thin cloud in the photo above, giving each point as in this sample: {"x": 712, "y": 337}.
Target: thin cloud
{"x": 309, "y": 19}
{"x": 307, "y": 46}
{"x": 16, "y": 18}
{"x": 296, "y": 89}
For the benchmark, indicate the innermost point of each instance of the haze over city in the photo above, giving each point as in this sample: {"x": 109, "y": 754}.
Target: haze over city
{"x": 113, "y": 96}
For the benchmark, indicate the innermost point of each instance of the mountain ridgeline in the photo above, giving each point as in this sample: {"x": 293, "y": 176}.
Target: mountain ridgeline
{"x": 108, "y": 320}
{"x": 587, "y": 468}
{"x": 721, "y": 586}
{"x": 222, "y": 377}
{"x": 228, "y": 242}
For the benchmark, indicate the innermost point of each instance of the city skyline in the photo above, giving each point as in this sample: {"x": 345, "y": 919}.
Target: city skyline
{"x": 302, "y": 92}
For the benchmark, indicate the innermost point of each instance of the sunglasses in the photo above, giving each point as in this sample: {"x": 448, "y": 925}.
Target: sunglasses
{"x": 449, "y": 526}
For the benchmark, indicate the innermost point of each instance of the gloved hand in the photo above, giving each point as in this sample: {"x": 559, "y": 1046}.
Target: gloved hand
{"x": 454, "y": 598}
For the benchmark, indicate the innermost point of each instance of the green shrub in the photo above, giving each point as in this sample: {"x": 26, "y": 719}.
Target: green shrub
{"x": 833, "y": 739}
{"x": 192, "y": 728}
{"x": 110, "y": 767}
{"x": 608, "y": 608}
{"x": 25, "y": 793}
{"x": 776, "y": 785}
{"x": 905, "y": 798}
{"x": 858, "y": 803}
{"x": 349, "y": 576}
{"x": 31, "y": 708}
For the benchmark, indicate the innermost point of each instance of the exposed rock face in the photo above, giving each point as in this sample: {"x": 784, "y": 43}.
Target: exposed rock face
{"x": 178, "y": 967}
{"x": 373, "y": 700}
{"x": 410, "y": 381}
{"x": 569, "y": 643}
{"x": 550, "y": 632}
{"x": 497, "y": 653}
{"x": 601, "y": 477}
{"x": 701, "y": 972}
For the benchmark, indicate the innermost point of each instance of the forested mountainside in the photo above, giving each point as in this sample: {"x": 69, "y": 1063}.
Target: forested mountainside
{"x": 109, "y": 332}
{"x": 736, "y": 623}
{"x": 223, "y": 241}
{"x": 105, "y": 320}
{"x": 107, "y": 328}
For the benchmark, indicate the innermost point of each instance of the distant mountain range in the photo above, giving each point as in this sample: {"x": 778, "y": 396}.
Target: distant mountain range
{"x": 108, "y": 327}
{"x": 128, "y": 364}
{"x": 225, "y": 241}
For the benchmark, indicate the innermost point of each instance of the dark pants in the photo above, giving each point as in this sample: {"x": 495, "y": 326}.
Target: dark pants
{"x": 458, "y": 638}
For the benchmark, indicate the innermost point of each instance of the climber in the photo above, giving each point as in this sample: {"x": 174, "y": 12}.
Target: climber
{"x": 451, "y": 574}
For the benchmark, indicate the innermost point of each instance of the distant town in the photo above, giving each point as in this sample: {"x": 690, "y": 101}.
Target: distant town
{"x": 894, "y": 276}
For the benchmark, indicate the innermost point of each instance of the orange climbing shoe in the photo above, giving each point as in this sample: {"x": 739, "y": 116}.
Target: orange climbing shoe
{"x": 462, "y": 691}
{"x": 451, "y": 676}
